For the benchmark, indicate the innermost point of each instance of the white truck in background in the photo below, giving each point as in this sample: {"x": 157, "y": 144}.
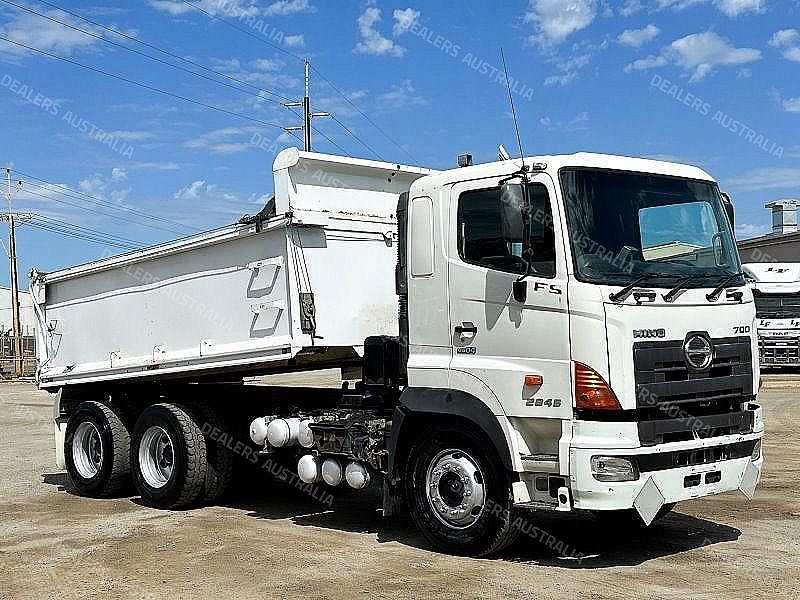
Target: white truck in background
{"x": 776, "y": 287}
{"x": 558, "y": 333}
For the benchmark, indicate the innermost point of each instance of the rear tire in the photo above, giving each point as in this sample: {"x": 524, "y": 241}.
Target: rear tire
{"x": 168, "y": 457}
{"x": 97, "y": 450}
{"x": 459, "y": 493}
{"x": 220, "y": 458}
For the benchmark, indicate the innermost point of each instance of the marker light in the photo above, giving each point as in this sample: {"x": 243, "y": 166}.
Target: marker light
{"x": 591, "y": 390}
{"x": 533, "y": 380}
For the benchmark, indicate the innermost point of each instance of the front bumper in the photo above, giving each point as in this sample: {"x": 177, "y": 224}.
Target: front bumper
{"x": 778, "y": 350}
{"x": 668, "y": 473}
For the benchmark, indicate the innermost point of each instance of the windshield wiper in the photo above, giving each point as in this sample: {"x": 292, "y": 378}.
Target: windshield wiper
{"x": 623, "y": 294}
{"x": 673, "y": 293}
{"x": 714, "y": 296}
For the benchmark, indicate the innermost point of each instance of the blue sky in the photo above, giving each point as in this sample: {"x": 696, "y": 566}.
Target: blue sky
{"x": 710, "y": 82}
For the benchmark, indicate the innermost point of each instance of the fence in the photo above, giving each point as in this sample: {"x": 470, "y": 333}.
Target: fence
{"x": 7, "y": 355}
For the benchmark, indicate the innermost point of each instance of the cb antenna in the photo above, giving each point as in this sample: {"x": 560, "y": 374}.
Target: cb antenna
{"x": 513, "y": 110}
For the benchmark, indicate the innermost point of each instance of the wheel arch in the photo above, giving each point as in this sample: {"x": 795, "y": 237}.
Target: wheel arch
{"x": 426, "y": 406}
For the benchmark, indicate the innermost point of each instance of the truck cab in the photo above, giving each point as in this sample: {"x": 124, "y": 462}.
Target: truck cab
{"x": 776, "y": 288}
{"x": 609, "y": 347}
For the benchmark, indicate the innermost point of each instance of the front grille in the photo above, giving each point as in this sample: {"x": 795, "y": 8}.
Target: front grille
{"x": 688, "y": 458}
{"x": 664, "y": 379}
{"x": 779, "y": 350}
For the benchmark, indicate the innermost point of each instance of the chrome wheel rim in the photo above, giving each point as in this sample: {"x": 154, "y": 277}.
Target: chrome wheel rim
{"x": 455, "y": 488}
{"x": 87, "y": 450}
{"x": 156, "y": 457}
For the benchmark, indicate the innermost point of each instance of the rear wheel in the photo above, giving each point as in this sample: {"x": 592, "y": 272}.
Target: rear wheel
{"x": 97, "y": 450}
{"x": 459, "y": 493}
{"x": 168, "y": 456}
{"x": 220, "y": 458}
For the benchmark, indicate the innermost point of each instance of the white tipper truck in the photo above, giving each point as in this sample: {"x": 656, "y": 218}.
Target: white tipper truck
{"x": 559, "y": 333}
{"x": 776, "y": 287}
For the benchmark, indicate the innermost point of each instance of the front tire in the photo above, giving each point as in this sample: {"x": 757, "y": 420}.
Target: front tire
{"x": 97, "y": 450}
{"x": 168, "y": 456}
{"x": 459, "y": 493}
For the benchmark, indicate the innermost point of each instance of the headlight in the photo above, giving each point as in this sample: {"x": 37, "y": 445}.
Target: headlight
{"x": 613, "y": 468}
{"x": 756, "y": 451}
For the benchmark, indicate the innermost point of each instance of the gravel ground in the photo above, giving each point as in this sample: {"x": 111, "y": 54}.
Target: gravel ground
{"x": 271, "y": 541}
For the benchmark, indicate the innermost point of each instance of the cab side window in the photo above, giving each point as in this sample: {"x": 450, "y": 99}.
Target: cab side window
{"x": 480, "y": 234}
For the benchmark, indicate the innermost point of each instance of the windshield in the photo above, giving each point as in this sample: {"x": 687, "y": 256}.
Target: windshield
{"x": 777, "y": 306}
{"x": 624, "y": 225}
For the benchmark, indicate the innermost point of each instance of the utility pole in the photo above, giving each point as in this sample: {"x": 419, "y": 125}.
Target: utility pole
{"x": 12, "y": 251}
{"x": 307, "y": 114}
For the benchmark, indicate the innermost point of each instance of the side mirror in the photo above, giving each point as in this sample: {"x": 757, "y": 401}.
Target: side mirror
{"x": 727, "y": 202}
{"x": 512, "y": 212}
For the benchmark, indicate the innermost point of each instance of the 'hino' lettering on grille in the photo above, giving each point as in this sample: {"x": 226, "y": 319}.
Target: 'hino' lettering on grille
{"x": 649, "y": 333}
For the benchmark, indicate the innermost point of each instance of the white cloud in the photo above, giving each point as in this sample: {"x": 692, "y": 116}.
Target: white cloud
{"x": 294, "y": 41}
{"x": 568, "y": 69}
{"x": 698, "y": 54}
{"x": 631, "y": 7}
{"x": 702, "y": 52}
{"x": 404, "y": 20}
{"x": 289, "y": 7}
{"x": 768, "y": 178}
{"x": 34, "y": 31}
{"x": 788, "y": 42}
{"x": 229, "y": 140}
{"x": 637, "y": 38}
{"x": 231, "y": 8}
{"x": 792, "y": 105}
{"x": 579, "y": 122}
{"x": 400, "y": 96}
{"x": 643, "y": 64}
{"x": 118, "y": 174}
{"x": 132, "y": 136}
{"x": 556, "y": 20}
{"x": 732, "y": 8}
{"x": 745, "y": 231}
{"x": 372, "y": 42}
{"x": 192, "y": 191}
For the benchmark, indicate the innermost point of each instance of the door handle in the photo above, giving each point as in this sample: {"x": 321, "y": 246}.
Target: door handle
{"x": 466, "y": 330}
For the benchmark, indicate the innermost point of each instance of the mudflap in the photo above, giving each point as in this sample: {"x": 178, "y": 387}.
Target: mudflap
{"x": 750, "y": 479}
{"x": 649, "y": 501}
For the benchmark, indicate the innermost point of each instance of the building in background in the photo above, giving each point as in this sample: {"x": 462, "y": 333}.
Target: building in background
{"x": 27, "y": 321}
{"x": 783, "y": 244}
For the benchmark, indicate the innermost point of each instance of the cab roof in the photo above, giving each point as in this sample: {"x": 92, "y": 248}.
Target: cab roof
{"x": 581, "y": 159}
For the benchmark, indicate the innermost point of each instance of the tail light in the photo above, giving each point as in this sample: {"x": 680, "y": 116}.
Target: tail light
{"x": 592, "y": 392}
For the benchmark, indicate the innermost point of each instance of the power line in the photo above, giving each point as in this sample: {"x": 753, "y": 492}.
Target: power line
{"x": 67, "y": 233}
{"x": 140, "y": 84}
{"x": 316, "y": 70}
{"x": 54, "y": 222}
{"x": 243, "y": 30}
{"x": 83, "y": 196}
{"x": 143, "y": 43}
{"x": 363, "y": 114}
{"x": 110, "y": 215}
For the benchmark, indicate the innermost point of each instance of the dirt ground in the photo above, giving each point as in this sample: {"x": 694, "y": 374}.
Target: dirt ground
{"x": 271, "y": 541}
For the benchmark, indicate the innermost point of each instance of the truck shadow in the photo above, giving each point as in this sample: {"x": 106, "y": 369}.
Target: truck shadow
{"x": 575, "y": 541}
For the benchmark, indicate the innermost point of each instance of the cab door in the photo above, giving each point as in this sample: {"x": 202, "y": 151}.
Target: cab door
{"x": 497, "y": 340}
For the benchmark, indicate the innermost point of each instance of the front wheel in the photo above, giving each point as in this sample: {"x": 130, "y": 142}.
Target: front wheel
{"x": 459, "y": 493}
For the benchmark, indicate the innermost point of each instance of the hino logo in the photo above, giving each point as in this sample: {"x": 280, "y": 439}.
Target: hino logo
{"x": 699, "y": 352}
{"x": 649, "y": 333}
